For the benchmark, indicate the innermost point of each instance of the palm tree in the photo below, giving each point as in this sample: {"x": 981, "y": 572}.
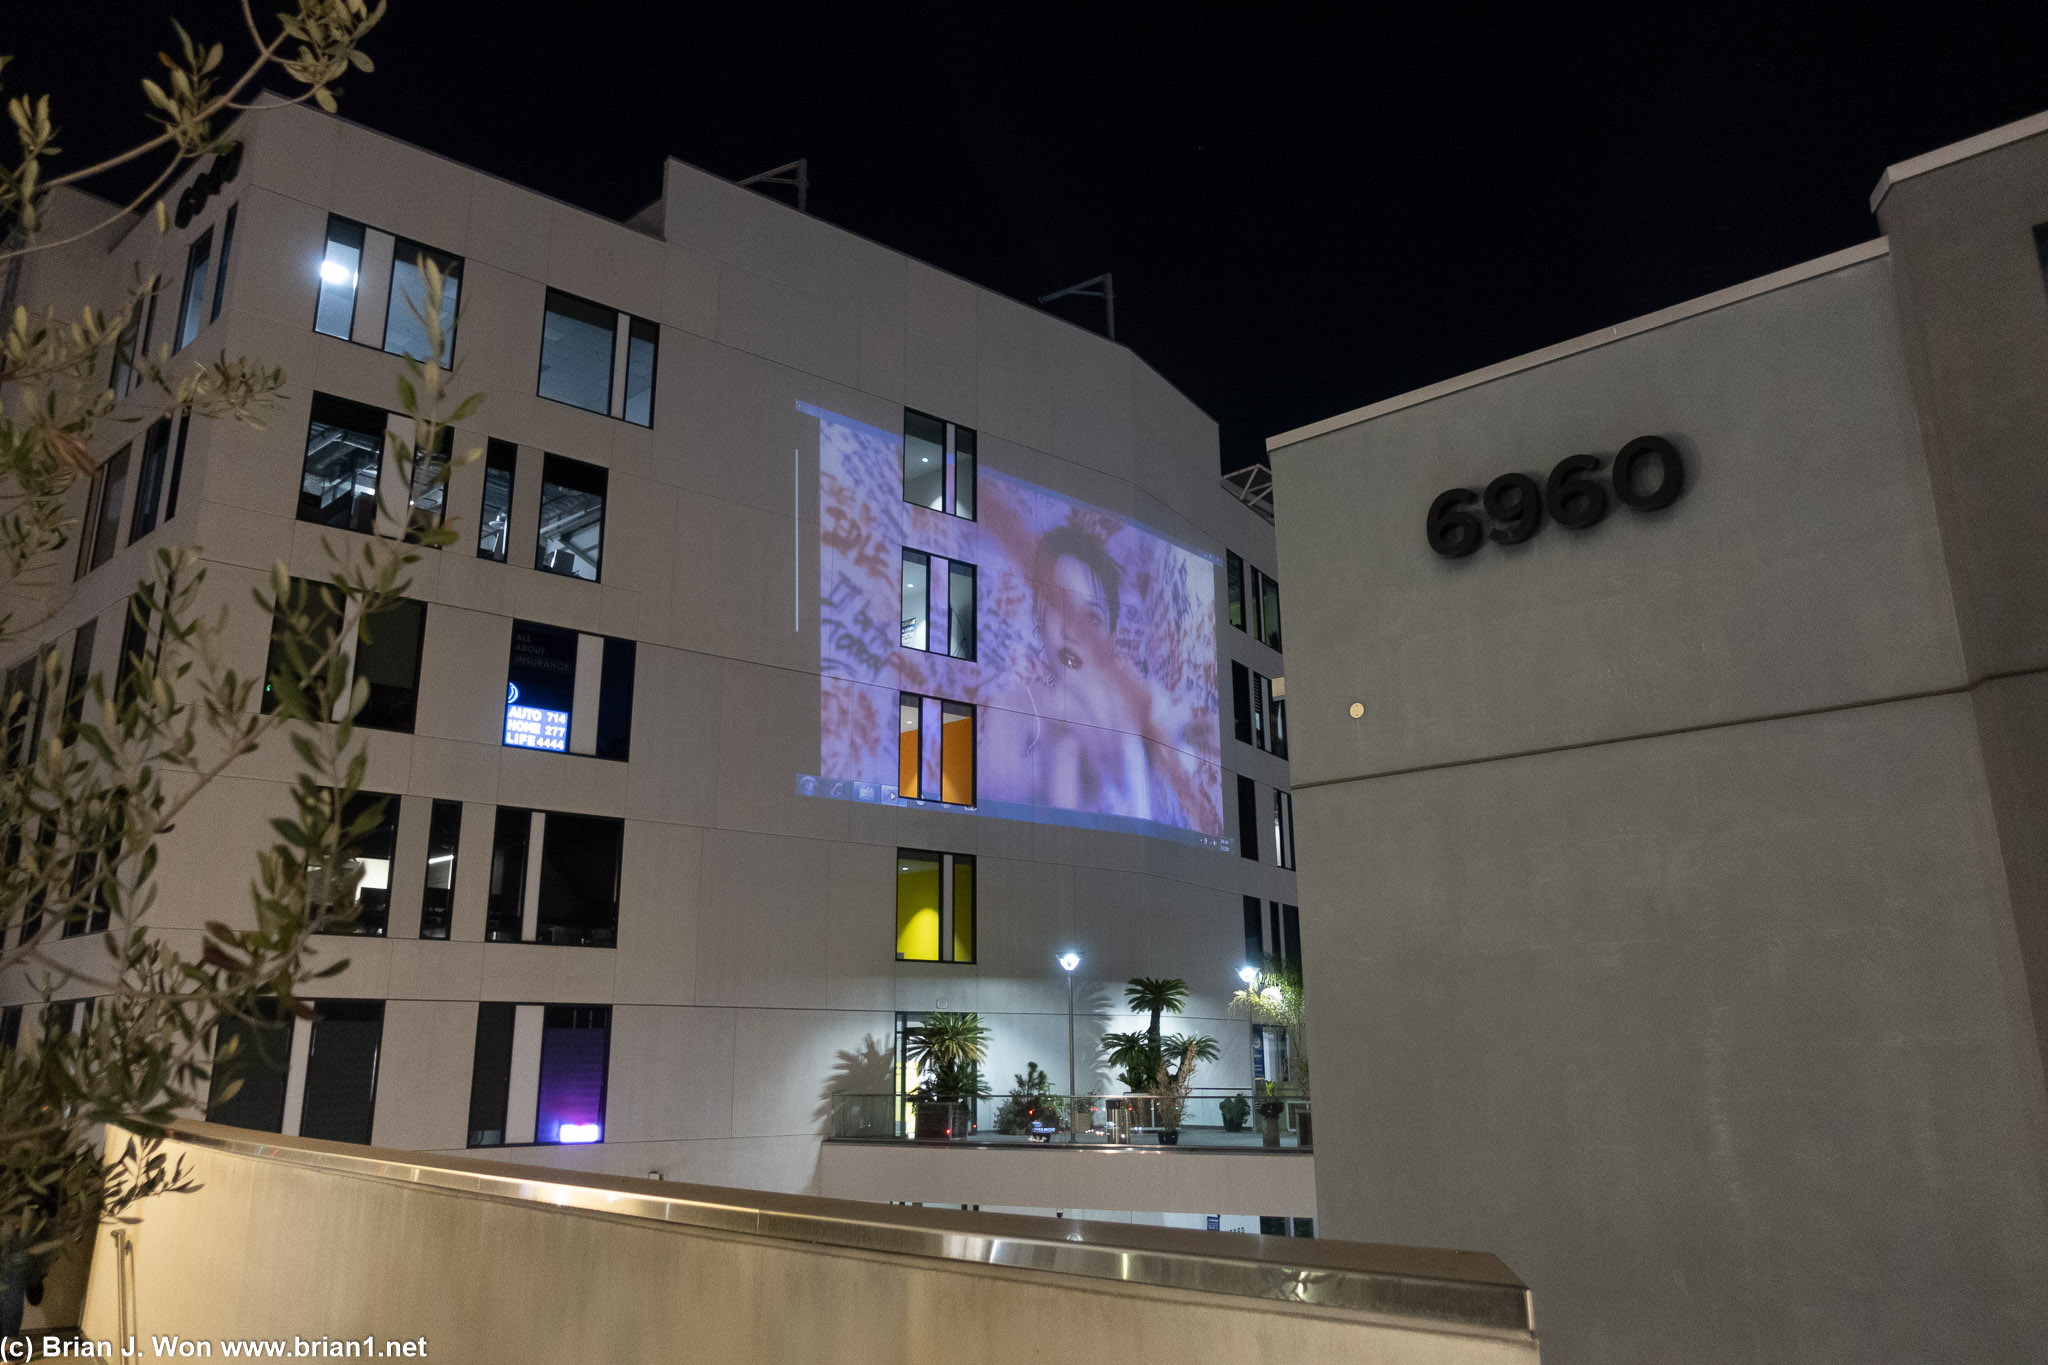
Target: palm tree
{"x": 952, "y": 1045}
{"x": 1157, "y": 995}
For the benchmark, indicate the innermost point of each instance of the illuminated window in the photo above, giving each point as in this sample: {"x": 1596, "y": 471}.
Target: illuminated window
{"x": 935, "y": 750}
{"x": 149, "y": 479}
{"x": 388, "y": 647}
{"x": 598, "y": 359}
{"x": 494, "y": 524}
{"x": 100, "y": 529}
{"x": 938, "y": 464}
{"x": 938, "y": 604}
{"x": 1283, "y": 829}
{"x": 374, "y": 853}
{"x": 344, "y": 450}
{"x": 539, "y": 1074}
{"x": 934, "y": 906}
{"x": 575, "y": 1051}
{"x": 336, "y": 314}
{"x": 1261, "y": 698}
{"x": 572, "y": 497}
{"x": 192, "y": 306}
{"x": 405, "y": 331}
{"x": 1247, "y": 819}
{"x": 1234, "y": 574}
{"x": 569, "y": 693}
{"x": 1276, "y": 724}
{"x": 437, "y": 900}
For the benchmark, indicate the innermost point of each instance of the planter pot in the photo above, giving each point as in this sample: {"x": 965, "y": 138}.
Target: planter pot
{"x": 1269, "y": 1112}
{"x": 942, "y": 1121}
{"x": 1169, "y": 1137}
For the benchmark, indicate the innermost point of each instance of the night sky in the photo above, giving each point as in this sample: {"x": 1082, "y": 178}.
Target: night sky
{"x": 1305, "y": 209}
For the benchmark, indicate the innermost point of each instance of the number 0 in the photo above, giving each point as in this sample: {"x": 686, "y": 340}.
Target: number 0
{"x": 1670, "y": 479}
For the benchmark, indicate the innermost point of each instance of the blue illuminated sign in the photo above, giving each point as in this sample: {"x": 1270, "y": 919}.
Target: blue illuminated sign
{"x": 534, "y": 727}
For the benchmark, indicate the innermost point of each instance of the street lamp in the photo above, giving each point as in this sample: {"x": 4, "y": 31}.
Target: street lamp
{"x": 1248, "y": 974}
{"x": 1069, "y": 961}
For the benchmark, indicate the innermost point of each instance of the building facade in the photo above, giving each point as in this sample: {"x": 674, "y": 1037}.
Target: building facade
{"x": 1672, "y": 734}
{"x": 829, "y": 642}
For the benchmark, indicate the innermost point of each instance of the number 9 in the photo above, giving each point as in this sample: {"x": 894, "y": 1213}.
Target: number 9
{"x": 1453, "y": 532}
{"x": 1515, "y": 503}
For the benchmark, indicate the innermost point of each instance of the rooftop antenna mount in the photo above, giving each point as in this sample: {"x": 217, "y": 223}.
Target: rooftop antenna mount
{"x": 1086, "y": 289}
{"x": 796, "y": 174}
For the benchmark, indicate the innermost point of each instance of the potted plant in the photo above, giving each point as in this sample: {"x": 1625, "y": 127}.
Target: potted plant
{"x": 1174, "y": 1077}
{"x": 1032, "y": 1109}
{"x": 1271, "y": 1107}
{"x": 1235, "y": 1111}
{"x": 948, "y": 1049}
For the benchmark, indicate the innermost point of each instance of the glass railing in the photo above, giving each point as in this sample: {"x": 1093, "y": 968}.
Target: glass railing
{"x": 1202, "y": 1118}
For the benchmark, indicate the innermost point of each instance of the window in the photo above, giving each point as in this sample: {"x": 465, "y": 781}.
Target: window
{"x": 934, "y": 906}
{"x": 2041, "y": 249}
{"x": 569, "y": 693}
{"x": 1283, "y": 829}
{"x": 10, "y": 1029}
{"x": 100, "y": 529}
{"x": 938, "y": 464}
{"x": 1276, "y": 723}
{"x": 1234, "y": 574}
{"x": 494, "y": 524}
{"x": 374, "y": 853}
{"x": 938, "y": 605}
{"x": 490, "y": 1074}
{"x": 149, "y": 479}
{"x": 539, "y": 1074}
{"x": 1241, "y": 700}
{"x": 257, "y": 1054}
{"x": 511, "y": 840}
{"x": 132, "y": 345}
{"x": 574, "y": 900}
{"x": 134, "y": 644}
{"x": 336, "y": 315}
{"x": 1254, "y": 932}
{"x": 427, "y": 499}
{"x": 575, "y": 1052}
{"x": 405, "y": 331}
{"x": 192, "y": 306}
{"x": 74, "y": 686}
{"x": 1261, "y": 698}
{"x": 579, "y": 880}
{"x": 21, "y": 703}
{"x": 585, "y": 347}
{"x": 1247, "y": 819}
{"x": 437, "y": 900}
{"x": 1269, "y": 609}
{"x": 344, "y": 450}
{"x": 177, "y": 468}
{"x": 220, "y": 274}
{"x": 1290, "y": 934}
{"x": 388, "y": 648}
{"x": 341, "y": 1070}
{"x": 285, "y": 667}
{"x": 935, "y": 750}
{"x": 571, "y": 518}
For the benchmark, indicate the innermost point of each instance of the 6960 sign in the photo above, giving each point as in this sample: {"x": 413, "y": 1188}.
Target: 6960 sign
{"x": 1647, "y": 475}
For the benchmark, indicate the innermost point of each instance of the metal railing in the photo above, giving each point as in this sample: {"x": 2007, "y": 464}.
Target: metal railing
{"x": 1201, "y": 1119}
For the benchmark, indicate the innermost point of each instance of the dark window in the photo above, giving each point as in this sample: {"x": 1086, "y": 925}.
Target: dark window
{"x": 177, "y": 468}
{"x": 220, "y": 273}
{"x": 571, "y": 538}
{"x": 20, "y": 702}
{"x": 134, "y": 644}
{"x": 336, "y": 315}
{"x": 247, "y": 1087}
{"x": 149, "y": 479}
{"x": 405, "y": 331}
{"x": 1290, "y": 934}
{"x": 615, "y": 700}
{"x": 643, "y": 340}
{"x": 579, "y": 880}
{"x": 494, "y": 525}
{"x": 577, "y": 337}
{"x": 10, "y": 1028}
{"x": 1247, "y": 819}
{"x": 192, "y": 307}
{"x": 575, "y": 1050}
{"x": 74, "y": 686}
{"x": 938, "y": 464}
{"x": 1254, "y": 932}
{"x": 374, "y": 854}
{"x": 2041, "y": 249}
{"x": 437, "y": 901}
{"x": 388, "y": 658}
{"x": 341, "y": 1070}
{"x": 505, "y": 911}
{"x": 344, "y": 449}
{"x": 99, "y": 533}
{"x": 1269, "y": 609}
{"x": 490, "y": 1074}
{"x": 427, "y": 499}
{"x": 1234, "y": 581}
{"x": 1241, "y": 700}
{"x": 285, "y": 664}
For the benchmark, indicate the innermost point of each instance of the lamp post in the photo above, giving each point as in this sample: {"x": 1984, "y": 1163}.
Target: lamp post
{"x": 1068, "y": 962}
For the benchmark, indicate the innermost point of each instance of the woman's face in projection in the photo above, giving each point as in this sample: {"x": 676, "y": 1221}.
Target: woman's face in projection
{"x": 1077, "y": 628}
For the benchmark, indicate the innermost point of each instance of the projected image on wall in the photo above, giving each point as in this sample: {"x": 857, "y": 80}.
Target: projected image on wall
{"x": 998, "y": 646}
